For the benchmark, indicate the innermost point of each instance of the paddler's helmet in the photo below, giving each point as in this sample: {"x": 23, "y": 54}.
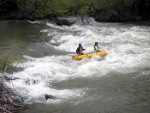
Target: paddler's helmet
{"x": 80, "y": 44}
{"x": 96, "y": 42}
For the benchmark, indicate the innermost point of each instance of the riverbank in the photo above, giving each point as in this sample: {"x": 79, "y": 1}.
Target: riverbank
{"x": 104, "y": 11}
{"x": 64, "y": 21}
{"x": 10, "y": 101}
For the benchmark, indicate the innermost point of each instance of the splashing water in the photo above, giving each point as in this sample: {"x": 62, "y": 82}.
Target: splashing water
{"x": 110, "y": 80}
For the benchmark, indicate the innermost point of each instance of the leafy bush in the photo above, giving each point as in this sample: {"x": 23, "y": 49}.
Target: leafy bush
{"x": 7, "y": 61}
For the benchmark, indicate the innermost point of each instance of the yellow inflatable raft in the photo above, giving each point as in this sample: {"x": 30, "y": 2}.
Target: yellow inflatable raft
{"x": 90, "y": 55}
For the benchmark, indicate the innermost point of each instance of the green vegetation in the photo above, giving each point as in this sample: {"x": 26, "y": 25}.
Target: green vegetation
{"x": 7, "y": 61}
{"x": 102, "y": 10}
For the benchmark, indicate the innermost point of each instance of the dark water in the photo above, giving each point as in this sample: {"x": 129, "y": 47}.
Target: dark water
{"x": 22, "y": 38}
{"x": 118, "y": 83}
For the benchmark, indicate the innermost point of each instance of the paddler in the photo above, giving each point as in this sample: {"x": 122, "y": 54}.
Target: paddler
{"x": 96, "y": 47}
{"x": 80, "y": 50}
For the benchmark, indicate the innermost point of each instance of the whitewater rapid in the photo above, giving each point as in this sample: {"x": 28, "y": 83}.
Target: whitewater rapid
{"x": 40, "y": 76}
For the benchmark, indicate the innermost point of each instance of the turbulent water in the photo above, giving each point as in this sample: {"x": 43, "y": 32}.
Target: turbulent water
{"x": 117, "y": 83}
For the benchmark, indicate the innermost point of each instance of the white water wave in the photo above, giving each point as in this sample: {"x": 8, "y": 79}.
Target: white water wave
{"x": 40, "y": 75}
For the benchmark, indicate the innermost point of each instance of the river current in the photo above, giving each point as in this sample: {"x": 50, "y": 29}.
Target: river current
{"x": 116, "y": 83}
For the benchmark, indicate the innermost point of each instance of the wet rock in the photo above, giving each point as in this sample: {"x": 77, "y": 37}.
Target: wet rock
{"x": 47, "y": 96}
{"x": 61, "y": 22}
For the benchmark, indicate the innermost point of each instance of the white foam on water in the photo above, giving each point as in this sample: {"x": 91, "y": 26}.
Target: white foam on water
{"x": 34, "y": 22}
{"x": 54, "y": 26}
{"x": 39, "y": 74}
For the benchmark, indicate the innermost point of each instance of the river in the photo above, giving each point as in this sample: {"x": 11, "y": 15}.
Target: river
{"x": 117, "y": 83}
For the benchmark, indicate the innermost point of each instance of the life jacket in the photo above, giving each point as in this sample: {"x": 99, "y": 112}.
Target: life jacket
{"x": 96, "y": 48}
{"x": 80, "y": 49}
